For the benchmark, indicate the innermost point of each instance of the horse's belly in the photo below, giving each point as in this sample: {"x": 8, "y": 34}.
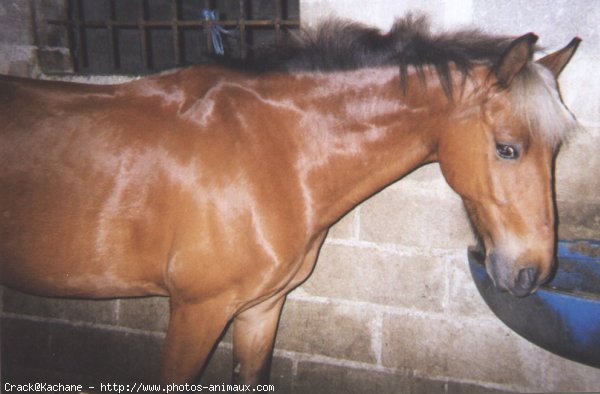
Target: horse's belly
{"x": 44, "y": 265}
{"x": 33, "y": 277}
{"x": 54, "y": 244}
{"x": 76, "y": 272}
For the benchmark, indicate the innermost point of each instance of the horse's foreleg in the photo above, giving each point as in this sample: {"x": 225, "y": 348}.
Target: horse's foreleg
{"x": 253, "y": 339}
{"x": 192, "y": 333}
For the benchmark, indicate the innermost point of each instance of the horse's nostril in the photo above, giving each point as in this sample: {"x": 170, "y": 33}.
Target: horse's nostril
{"x": 526, "y": 280}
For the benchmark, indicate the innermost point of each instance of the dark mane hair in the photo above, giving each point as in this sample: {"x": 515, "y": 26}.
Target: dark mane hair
{"x": 337, "y": 45}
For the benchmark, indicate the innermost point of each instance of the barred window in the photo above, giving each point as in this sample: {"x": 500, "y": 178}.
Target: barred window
{"x": 142, "y": 36}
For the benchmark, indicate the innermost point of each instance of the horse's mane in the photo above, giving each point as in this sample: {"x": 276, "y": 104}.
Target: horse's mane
{"x": 336, "y": 45}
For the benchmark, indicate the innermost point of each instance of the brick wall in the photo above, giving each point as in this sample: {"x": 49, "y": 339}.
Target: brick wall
{"x": 391, "y": 306}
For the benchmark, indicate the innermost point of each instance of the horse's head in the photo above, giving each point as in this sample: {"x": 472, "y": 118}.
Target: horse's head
{"x": 499, "y": 156}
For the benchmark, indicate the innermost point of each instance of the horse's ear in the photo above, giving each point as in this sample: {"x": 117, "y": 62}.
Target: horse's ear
{"x": 514, "y": 58}
{"x": 556, "y": 61}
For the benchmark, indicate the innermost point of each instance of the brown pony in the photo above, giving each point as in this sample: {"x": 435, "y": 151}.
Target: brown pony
{"x": 216, "y": 186}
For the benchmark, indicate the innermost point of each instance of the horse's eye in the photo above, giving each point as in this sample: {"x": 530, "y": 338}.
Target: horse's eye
{"x": 507, "y": 152}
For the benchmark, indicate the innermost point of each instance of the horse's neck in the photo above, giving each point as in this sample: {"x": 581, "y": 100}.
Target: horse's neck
{"x": 361, "y": 134}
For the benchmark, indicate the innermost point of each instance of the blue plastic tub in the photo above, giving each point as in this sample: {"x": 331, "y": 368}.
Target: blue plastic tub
{"x": 563, "y": 316}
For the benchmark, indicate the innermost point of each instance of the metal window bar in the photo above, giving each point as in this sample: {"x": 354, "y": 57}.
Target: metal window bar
{"x": 146, "y": 57}
{"x": 76, "y": 25}
{"x": 112, "y": 36}
{"x": 206, "y": 25}
{"x": 175, "y": 31}
{"x": 242, "y": 27}
{"x": 76, "y": 15}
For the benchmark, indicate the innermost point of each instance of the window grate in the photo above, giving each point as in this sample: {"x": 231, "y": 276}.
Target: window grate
{"x": 139, "y": 36}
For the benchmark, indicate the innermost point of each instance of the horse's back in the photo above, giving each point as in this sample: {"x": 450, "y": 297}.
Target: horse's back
{"x": 79, "y": 195}
{"x": 102, "y": 187}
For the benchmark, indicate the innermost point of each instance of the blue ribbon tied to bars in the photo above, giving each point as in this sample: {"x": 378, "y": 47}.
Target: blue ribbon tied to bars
{"x": 215, "y": 31}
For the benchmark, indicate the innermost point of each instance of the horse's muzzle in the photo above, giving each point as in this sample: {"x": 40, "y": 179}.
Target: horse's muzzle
{"x": 519, "y": 282}
{"x": 526, "y": 282}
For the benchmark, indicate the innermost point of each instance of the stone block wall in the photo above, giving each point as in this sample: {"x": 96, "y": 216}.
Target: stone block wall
{"x": 391, "y": 306}
{"x": 28, "y": 44}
